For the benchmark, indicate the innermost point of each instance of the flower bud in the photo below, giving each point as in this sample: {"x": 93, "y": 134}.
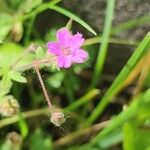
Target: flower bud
{"x": 13, "y": 141}
{"x": 57, "y": 118}
{"x": 15, "y": 138}
{"x": 9, "y": 106}
{"x": 17, "y": 31}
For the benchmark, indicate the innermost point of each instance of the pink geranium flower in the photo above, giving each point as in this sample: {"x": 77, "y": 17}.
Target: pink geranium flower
{"x": 67, "y": 48}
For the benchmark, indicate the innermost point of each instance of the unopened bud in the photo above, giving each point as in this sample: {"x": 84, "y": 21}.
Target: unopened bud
{"x": 14, "y": 137}
{"x": 17, "y": 31}
{"x": 9, "y": 106}
{"x": 57, "y": 118}
{"x": 13, "y": 141}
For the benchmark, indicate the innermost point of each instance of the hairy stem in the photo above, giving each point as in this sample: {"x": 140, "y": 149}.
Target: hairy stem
{"x": 36, "y": 67}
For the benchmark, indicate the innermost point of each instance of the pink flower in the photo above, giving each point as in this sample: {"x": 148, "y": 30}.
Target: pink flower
{"x": 67, "y": 48}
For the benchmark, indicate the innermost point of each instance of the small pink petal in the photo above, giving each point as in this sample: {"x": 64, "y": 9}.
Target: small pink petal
{"x": 77, "y": 59}
{"x": 68, "y": 62}
{"x": 53, "y": 47}
{"x": 82, "y": 53}
{"x": 80, "y": 56}
{"x": 63, "y": 36}
{"x": 61, "y": 61}
{"x": 76, "y": 41}
{"x": 67, "y": 48}
{"x": 64, "y": 62}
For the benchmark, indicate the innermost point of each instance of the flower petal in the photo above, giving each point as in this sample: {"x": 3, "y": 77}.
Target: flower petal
{"x": 61, "y": 61}
{"x": 68, "y": 62}
{"x": 77, "y": 59}
{"x": 82, "y": 53}
{"x": 64, "y": 62}
{"x": 80, "y": 56}
{"x": 76, "y": 41}
{"x": 63, "y": 36}
{"x": 53, "y": 47}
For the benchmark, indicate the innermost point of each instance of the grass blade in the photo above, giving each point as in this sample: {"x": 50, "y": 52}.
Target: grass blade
{"x": 117, "y": 121}
{"x": 83, "y": 100}
{"x": 132, "y": 111}
{"x": 98, "y": 39}
{"x": 131, "y": 24}
{"x": 73, "y": 16}
{"x": 104, "y": 43}
{"x": 117, "y": 84}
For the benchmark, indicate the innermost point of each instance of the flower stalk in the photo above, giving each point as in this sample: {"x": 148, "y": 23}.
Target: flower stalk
{"x": 57, "y": 117}
{"x": 36, "y": 67}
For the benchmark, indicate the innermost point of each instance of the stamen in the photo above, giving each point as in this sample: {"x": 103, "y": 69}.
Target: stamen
{"x": 66, "y": 51}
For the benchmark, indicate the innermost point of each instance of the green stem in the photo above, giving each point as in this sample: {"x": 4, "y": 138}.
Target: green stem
{"x": 83, "y": 100}
{"x": 131, "y": 24}
{"x": 28, "y": 114}
{"x": 44, "y": 111}
{"x": 29, "y": 30}
{"x": 104, "y": 45}
{"x": 98, "y": 39}
{"x": 38, "y": 10}
{"x": 141, "y": 50}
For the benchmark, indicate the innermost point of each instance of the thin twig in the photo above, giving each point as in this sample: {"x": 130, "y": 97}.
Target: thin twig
{"x": 33, "y": 113}
{"x": 29, "y": 66}
{"x": 36, "y": 67}
{"x": 28, "y": 114}
{"x": 74, "y": 136}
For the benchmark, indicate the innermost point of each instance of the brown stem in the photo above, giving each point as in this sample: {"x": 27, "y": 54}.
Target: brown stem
{"x": 74, "y": 136}
{"x": 29, "y": 66}
{"x": 42, "y": 84}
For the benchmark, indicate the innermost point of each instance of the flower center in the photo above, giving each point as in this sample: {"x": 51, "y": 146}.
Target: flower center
{"x": 66, "y": 51}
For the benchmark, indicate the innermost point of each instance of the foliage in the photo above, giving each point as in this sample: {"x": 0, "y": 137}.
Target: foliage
{"x": 25, "y": 63}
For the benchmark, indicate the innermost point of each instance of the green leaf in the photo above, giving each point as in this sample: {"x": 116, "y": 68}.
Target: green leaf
{"x": 4, "y": 7}
{"x": 39, "y": 141}
{"x": 111, "y": 139}
{"x": 17, "y": 76}
{"x": 27, "y": 5}
{"x": 144, "y": 109}
{"x": 40, "y": 53}
{"x": 133, "y": 111}
{"x": 136, "y": 138}
{"x": 4, "y": 71}
{"x": 74, "y": 17}
{"x": 5, "y": 25}
{"x": 141, "y": 50}
{"x": 10, "y": 52}
{"x": 56, "y": 79}
{"x": 5, "y": 85}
